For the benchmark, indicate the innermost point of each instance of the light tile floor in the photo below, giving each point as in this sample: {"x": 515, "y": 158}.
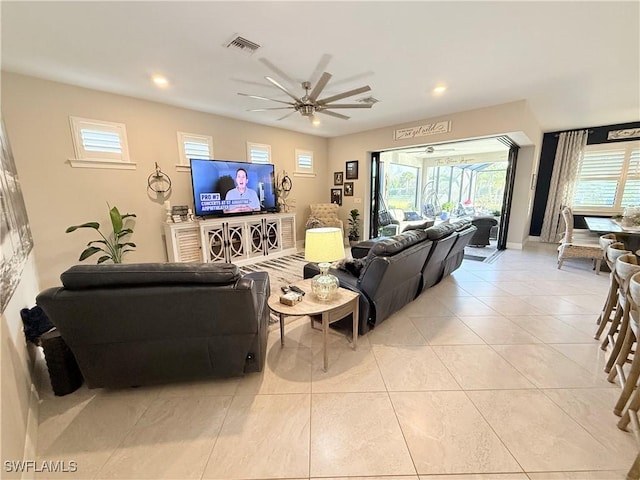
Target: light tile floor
{"x": 493, "y": 374}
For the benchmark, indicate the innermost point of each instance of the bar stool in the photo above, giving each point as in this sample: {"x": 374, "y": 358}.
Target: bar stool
{"x": 630, "y": 382}
{"x": 610, "y": 303}
{"x": 626, "y": 267}
{"x": 612, "y": 253}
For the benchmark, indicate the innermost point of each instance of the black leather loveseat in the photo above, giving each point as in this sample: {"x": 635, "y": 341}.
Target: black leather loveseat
{"x": 137, "y": 324}
{"x": 390, "y": 272}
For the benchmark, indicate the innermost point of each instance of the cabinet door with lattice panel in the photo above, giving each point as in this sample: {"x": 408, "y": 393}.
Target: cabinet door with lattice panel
{"x": 183, "y": 243}
{"x": 288, "y": 232}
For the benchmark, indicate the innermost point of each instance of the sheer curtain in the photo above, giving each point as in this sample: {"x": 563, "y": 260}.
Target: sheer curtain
{"x": 563, "y": 178}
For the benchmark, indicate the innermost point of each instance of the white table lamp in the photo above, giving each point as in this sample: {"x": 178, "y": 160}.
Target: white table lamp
{"x": 324, "y": 245}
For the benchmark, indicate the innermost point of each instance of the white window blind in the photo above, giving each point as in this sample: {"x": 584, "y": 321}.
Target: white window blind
{"x": 304, "y": 162}
{"x": 192, "y": 145}
{"x": 608, "y": 177}
{"x": 258, "y": 153}
{"x": 99, "y": 144}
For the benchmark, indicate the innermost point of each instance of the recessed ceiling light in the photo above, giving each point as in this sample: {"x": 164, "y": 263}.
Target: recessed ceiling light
{"x": 439, "y": 90}
{"x": 160, "y": 81}
{"x": 315, "y": 121}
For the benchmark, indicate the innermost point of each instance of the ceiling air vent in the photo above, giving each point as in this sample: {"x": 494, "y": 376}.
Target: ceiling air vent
{"x": 241, "y": 44}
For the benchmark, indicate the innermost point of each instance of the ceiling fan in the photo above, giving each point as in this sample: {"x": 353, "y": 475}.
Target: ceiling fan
{"x": 309, "y": 104}
{"x": 428, "y": 149}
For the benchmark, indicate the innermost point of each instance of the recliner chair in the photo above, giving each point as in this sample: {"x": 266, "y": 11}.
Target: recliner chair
{"x": 481, "y": 236}
{"x": 140, "y": 324}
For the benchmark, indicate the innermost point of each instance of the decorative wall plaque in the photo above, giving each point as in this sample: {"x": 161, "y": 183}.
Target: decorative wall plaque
{"x": 623, "y": 134}
{"x": 422, "y": 130}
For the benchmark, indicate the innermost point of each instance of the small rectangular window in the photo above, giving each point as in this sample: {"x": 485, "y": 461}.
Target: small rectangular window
{"x": 304, "y": 163}
{"x": 192, "y": 145}
{"x": 258, "y": 153}
{"x": 99, "y": 144}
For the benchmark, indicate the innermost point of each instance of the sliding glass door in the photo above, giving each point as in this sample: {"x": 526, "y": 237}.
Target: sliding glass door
{"x": 466, "y": 179}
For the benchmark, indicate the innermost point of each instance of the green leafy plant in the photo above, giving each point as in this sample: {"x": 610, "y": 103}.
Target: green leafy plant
{"x": 354, "y": 225}
{"x": 111, "y": 246}
{"x": 448, "y": 206}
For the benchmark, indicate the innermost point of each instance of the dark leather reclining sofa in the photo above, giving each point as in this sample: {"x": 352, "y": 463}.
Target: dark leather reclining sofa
{"x": 139, "y": 324}
{"x": 390, "y": 272}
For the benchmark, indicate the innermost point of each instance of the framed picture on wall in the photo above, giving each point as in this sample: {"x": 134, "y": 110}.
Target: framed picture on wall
{"x": 336, "y": 196}
{"x": 352, "y": 170}
{"x": 337, "y": 178}
{"x": 348, "y": 189}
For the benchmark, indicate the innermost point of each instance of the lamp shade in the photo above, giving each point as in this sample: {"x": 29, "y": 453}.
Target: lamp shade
{"x": 323, "y": 245}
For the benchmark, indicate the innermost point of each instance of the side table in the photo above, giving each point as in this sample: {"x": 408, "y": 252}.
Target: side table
{"x": 343, "y": 303}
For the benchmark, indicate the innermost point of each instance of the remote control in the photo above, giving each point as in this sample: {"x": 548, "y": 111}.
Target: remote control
{"x": 293, "y": 288}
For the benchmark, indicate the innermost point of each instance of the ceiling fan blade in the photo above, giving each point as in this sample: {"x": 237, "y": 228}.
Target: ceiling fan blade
{"x": 276, "y": 84}
{"x": 285, "y": 116}
{"x": 324, "y": 79}
{"x": 265, "y": 98}
{"x": 320, "y": 68}
{"x": 277, "y": 71}
{"x": 267, "y": 109}
{"x": 348, "y": 105}
{"x": 333, "y": 114}
{"x": 340, "y": 96}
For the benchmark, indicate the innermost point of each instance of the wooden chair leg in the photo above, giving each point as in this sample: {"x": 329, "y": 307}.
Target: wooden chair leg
{"x": 609, "y": 305}
{"x": 614, "y": 326}
{"x": 598, "y": 262}
{"x": 623, "y": 334}
{"x": 629, "y": 386}
{"x": 621, "y": 360}
{"x": 634, "y": 406}
{"x": 634, "y": 471}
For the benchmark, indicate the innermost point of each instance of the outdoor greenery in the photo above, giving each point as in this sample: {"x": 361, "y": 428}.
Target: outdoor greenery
{"x": 354, "y": 225}
{"x": 110, "y": 246}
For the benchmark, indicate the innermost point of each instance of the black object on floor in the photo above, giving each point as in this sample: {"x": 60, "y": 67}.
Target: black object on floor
{"x": 63, "y": 369}
{"x": 35, "y": 323}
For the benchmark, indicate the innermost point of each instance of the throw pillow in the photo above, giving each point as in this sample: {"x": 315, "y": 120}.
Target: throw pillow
{"x": 412, "y": 216}
{"x": 313, "y": 222}
{"x": 419, "y": 226}
{"x": 353, "y": 266}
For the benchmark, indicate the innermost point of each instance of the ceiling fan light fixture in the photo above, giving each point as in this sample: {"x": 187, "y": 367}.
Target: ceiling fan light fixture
{"x": 160, "y": 80}
{"x": 307, "y": 110}
{"x": 315, "y": 121}
{"x": 439, "y": 89}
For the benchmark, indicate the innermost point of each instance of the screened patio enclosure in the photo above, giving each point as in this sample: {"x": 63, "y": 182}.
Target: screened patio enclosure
{"x": 463, "y": 179}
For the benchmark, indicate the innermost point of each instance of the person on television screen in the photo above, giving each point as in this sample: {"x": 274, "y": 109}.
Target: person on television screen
{"x": 244, "y": 199}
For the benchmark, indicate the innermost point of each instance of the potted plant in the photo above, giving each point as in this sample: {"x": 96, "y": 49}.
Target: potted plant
{"x": 111, "y": 246}
{"x": 354, "y": 226}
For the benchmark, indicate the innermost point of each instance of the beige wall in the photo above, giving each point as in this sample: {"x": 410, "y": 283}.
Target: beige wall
{"x": 19, "y": 399}
{"x": 36, "y": 114}
{"x": 513, "y": 119}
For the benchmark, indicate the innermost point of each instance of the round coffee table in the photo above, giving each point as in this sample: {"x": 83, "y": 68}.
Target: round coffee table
{"x": 343, "y": 303}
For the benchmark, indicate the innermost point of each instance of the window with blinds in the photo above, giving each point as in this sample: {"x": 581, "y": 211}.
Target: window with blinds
{"x": 258, "y": 153}
{"x": 99, "y": 144}
{"x": 192, "y": 145}
{"x": 608, "y": 178}
{"x": 304, "y": 162}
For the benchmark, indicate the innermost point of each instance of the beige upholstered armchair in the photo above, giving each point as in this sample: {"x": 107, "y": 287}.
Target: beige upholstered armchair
{"x": 324, "y": 215}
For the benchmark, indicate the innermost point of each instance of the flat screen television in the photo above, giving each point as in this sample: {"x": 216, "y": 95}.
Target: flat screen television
{"x": 224, "y": 187}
